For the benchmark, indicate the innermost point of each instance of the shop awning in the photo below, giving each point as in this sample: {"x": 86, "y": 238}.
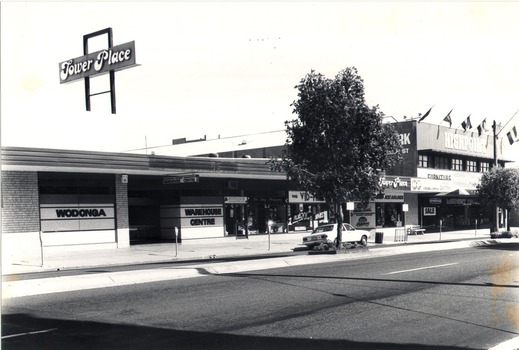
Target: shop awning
{"x": 457, "y": 192}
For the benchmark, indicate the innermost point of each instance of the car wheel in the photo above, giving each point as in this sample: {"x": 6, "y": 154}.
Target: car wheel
{"x": 364, "y": 241}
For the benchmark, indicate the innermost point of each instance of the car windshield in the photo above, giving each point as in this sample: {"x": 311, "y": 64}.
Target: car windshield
{"x": 326, "y": 228}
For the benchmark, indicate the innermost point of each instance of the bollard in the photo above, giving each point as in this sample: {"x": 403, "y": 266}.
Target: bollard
{"x": 41, "y": 247}
{"x": 176, "y": 241}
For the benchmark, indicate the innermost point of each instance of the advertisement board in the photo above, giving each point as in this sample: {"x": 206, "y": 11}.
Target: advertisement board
{"x": 97, "y": 63}
{"x": 363, "y": 216}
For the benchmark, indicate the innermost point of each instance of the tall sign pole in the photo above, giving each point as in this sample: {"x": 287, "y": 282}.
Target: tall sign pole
{"x": 106, "y": 61}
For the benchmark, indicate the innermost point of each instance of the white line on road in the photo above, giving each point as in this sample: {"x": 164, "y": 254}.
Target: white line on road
{"x": 29, "y": 333}
{"x": 419, "y": 268}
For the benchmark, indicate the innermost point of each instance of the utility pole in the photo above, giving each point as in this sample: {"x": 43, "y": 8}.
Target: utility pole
{"x": 496, "y": 209}
{"x": 494, "y": 128}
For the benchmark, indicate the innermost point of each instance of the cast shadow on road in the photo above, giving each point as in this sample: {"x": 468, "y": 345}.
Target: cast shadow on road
{"x": 491, "y": 244}
{"x": 23, "y": 331}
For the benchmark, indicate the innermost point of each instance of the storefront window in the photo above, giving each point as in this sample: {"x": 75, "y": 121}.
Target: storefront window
{"x": 389, "y": 214}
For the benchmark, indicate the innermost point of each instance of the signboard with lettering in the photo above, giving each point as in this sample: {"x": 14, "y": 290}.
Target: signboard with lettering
{"x": 451, "y": 179}
{"x": 429, "y": 211}
{"x": 77, "y": 217}
{"x": 235, "y": 200}
{"x": 363, "y": 216}
{"x": 407, "y": 133}
{"x": 116, "y": 58}
{"x": 302, "y": 197}
{"x": 171, "y": 180}
{"x": 195, "y": 220}
{"x": 454, "y": 141}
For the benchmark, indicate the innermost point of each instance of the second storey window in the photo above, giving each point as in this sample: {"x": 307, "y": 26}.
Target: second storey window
{"x": 457, "y": 164}
{"x": 441, "y": 163}
{"x": 472, "y": 166}
{"x": 484, "y": 167}
{"x": 423, "y": 161}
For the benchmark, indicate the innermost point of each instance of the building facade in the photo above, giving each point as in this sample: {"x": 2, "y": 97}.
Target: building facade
{"x": 64, "y": 199}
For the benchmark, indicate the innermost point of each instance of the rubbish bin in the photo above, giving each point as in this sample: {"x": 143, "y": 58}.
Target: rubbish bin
{"x": 379, "y": 237}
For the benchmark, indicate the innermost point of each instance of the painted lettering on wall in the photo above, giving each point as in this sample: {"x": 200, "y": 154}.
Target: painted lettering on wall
{"x": 81, "y": 213}
{"x": 203, "y": 211}
{"x": 203, "y": 222}
{"x": 405, "y": 138}
{"x": 462, "y": 142}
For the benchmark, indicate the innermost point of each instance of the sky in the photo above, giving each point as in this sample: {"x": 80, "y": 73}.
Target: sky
{"x": 220, "y": 69}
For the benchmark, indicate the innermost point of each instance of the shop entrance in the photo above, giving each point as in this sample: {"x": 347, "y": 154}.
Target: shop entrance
{"x": 235, "y": 224}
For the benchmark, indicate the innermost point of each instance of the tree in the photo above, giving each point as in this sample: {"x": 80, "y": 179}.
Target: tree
{"x": 500, "y": 187}
{"x": 337, "y": 146}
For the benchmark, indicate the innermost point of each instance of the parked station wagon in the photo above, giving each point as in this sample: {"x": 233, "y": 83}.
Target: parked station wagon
{"x": 328, "y": 233}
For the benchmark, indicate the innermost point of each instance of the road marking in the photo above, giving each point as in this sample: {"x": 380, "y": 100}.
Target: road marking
{"x": 29, "y": 333}
{"x": 419, "y": 268}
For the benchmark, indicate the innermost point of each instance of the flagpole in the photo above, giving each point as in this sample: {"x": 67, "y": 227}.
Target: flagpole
{"x": 494, "y": 127}
{"x": 512, "y": 117}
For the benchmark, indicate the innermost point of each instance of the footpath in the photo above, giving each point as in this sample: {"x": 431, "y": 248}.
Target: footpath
{"x": 259, "y": 246}
{"x": 102, "y": 268}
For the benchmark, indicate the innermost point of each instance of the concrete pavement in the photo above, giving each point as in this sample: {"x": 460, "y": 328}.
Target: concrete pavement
{"x": 217, "y": 248}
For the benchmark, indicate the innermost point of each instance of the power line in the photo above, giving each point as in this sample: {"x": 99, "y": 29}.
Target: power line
{"x": 215, "y": 139}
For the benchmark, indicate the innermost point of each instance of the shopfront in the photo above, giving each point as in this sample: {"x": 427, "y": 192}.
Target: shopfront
{"x": 305, "y": 212}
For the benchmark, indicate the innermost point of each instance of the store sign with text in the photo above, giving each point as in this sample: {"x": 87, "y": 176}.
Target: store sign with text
{"x": 429, "y": 211}
{"x": 235, "y": 200}
{"x": 202, "y": 216}
{"x": 302, "y": 197}
{"x": 395, "y": 183}
{"x": 363, "y": 216}
{"x": 113, "y": 59}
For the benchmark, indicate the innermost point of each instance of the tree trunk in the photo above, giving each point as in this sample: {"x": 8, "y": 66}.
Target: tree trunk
{"x": 338, "y": 214}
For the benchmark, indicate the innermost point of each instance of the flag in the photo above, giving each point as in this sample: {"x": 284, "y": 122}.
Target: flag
{"x": 425, "y": 115}
{"x": 482, "y": 127}
{"x": 466, "y": 124}
{"x": 512, "y": 138}
{"x": 448, "y": 119}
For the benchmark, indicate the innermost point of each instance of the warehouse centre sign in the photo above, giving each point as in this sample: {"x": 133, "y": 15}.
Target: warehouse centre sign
{"x": 100, "y": 62}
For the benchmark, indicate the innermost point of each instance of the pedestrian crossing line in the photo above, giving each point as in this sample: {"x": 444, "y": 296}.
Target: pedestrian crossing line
{"x": 418, "y": 268}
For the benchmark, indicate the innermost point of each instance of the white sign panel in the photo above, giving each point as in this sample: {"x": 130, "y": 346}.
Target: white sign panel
{"x": 302, "y": 197}
{"x": 429, "y": 211}
{"x": 363, "y": 217}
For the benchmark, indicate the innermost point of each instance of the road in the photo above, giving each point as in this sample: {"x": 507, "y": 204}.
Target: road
{"x": 463, "y": 298}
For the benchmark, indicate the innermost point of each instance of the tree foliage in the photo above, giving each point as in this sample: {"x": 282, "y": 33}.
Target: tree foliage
{"x": 338, "y": 145}
{"x": 500, "y": 187}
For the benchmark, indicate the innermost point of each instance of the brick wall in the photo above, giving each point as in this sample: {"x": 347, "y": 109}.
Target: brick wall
{"x": 121, "y": 203}
{"x": 20, "y": 202}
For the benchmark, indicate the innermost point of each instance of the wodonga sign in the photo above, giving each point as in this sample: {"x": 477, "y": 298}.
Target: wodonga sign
{"x": 115, "y": 58}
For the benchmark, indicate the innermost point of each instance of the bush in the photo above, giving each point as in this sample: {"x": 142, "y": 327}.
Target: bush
{"x": 504, "y": 234}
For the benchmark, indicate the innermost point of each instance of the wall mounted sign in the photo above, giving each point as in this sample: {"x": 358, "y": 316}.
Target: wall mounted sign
{"x": 302, "y": 197}
{"x": 171, "y": 180}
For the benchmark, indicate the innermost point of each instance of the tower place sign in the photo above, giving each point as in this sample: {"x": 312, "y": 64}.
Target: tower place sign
{"x": 100, "y": 62}
{"x": 109, "y": 60}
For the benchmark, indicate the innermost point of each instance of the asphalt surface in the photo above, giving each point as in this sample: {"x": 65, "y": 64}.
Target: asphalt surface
{"x": 442, "y": 299}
